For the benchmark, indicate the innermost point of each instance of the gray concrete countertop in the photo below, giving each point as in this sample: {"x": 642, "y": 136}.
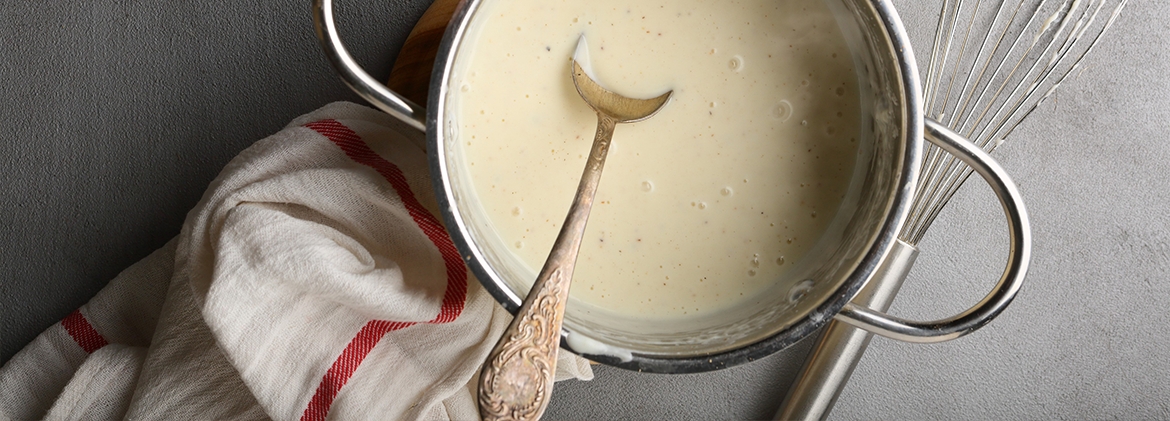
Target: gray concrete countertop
{"x": 119, "y": 114}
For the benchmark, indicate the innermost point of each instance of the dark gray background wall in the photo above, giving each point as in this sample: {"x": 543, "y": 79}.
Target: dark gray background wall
{"x": 118, "y": 113}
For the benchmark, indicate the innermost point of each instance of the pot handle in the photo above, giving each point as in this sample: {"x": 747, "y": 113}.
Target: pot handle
{"x": 357, "y": 79}
{"x": 1009, "y": 284}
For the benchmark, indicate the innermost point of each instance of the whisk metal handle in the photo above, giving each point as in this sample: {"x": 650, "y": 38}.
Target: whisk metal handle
{"x": 1020, "y": 253}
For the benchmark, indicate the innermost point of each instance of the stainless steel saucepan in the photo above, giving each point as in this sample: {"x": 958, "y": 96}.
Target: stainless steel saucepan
{"x": 860, "y": 245}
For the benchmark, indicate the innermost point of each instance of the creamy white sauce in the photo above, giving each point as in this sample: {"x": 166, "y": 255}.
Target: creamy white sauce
{"x": 703, "y": 205}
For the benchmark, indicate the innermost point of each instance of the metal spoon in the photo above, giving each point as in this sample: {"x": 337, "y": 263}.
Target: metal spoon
{"x": 517, "y": 379}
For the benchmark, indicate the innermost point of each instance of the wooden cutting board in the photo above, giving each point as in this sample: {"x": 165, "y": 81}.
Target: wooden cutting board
{"x": 411, "y": 75}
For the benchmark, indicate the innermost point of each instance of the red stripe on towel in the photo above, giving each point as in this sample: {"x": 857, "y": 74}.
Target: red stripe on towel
{"x": 82, "y": 332}
{"x": 345, "y": 365}
{"x": 365, "y": 340}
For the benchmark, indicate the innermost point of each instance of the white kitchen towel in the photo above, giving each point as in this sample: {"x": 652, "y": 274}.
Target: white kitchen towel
{"x": 313, "y": 281}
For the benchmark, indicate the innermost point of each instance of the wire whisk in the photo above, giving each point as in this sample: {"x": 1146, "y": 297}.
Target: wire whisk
{"x": 993, "y": 62}
{"x": 991, "y": 66}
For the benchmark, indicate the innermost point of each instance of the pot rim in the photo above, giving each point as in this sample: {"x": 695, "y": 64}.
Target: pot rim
{"x": 899, "y": 206}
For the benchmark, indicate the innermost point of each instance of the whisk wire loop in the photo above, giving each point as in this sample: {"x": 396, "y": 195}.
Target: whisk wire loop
{"x": 1027, "y": 49}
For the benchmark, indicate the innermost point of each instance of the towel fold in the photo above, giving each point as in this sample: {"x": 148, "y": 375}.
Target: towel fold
{"x": 312, "y": 281}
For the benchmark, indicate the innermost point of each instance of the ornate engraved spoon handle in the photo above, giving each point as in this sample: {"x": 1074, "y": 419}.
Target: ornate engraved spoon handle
{"x": 517, "y": 380}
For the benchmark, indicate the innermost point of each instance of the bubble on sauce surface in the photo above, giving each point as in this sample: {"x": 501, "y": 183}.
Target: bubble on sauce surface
{"x": 727, "y": 191}
{"x": 783, "y": 110}
{"x": 647, "y": 186}
{"x": 519, "y": 244}
{"x": 803, "y": 122}
{"x": 780, "y": 260}
{"x": 465, "y": 87}
{"x": 840, "y": 91}
{"x": 516, "y": 211}
{"x": 800, "y": 290}
{"x": 736, "y": 63}
{"x": 702, "y": 205}
{"x": 804, "y": 82}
